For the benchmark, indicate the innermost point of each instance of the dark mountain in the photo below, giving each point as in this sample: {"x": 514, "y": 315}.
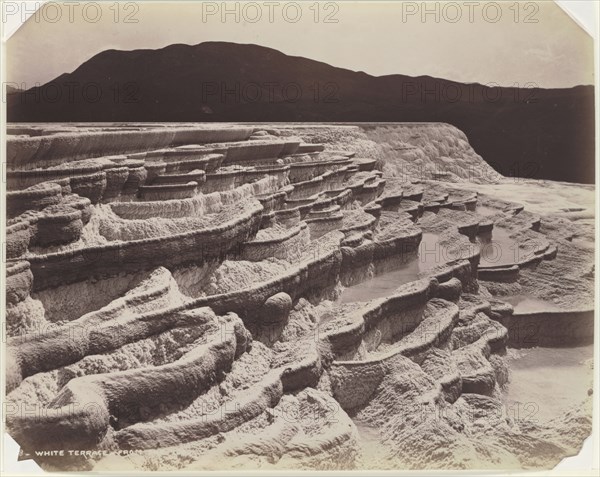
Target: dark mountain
{"x": 540, "y": 133}
{"x": 9, "y": 89}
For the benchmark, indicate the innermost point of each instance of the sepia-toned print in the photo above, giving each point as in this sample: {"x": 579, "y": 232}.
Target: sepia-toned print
{"x": 297, "y": 236}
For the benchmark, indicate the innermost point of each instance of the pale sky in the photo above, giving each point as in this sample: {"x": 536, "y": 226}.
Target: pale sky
{"x": 533, "y": 42}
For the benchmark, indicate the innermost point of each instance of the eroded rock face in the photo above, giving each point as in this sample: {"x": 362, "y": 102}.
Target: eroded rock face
{"x": 295, "y": 297}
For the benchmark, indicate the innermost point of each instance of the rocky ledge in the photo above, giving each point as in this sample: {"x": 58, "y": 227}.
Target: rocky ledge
{"x": 191, "y": 297}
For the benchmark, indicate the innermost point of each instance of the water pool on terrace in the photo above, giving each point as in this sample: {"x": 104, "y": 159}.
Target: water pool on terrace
{"x": 430, "y": 254}
{"x": 545, "y": 383}
{"x": 499, "y": 249}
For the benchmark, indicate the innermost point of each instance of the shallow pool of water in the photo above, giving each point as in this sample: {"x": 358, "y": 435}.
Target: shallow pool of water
{"x": 499, "y": 249}
{"x": 429, "y": 255}
{"x": 529, "y": 304}
{"x": 545, "y": 383}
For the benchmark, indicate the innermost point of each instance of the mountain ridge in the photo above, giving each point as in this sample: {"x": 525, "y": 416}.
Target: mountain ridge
{"x": 546, "y": 132}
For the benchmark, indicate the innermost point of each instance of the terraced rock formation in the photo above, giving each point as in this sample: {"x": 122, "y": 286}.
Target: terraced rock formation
{"x": 186, "y": 296}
